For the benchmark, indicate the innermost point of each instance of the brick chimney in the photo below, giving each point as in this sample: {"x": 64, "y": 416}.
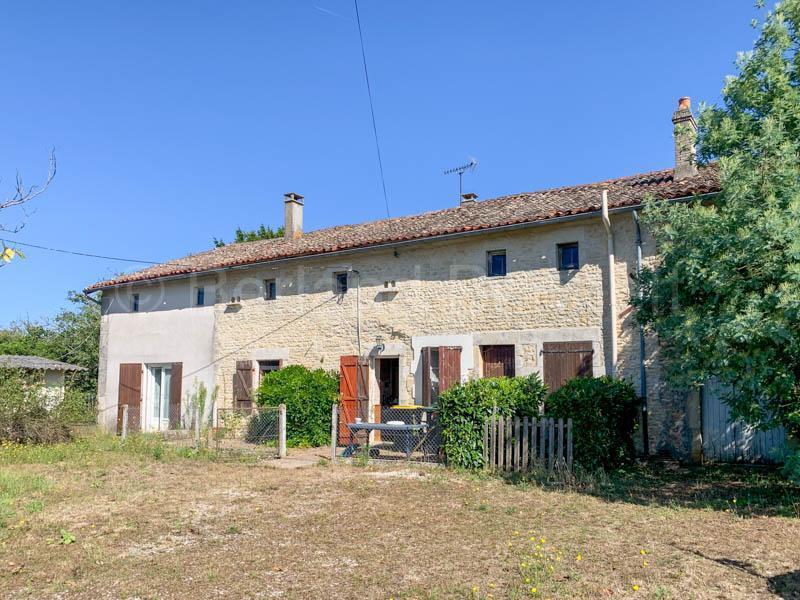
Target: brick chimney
{"x": 468, "y": 198}
{"x": 292, "y": 216}
{"x": 685, "y": 132}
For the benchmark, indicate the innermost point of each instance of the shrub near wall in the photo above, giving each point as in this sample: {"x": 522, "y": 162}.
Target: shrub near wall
{"x": 308, "y": 396}
{"x": 603, "y": 412}
{"x": 464, "y": 408}
{"x": 24, "y": 416}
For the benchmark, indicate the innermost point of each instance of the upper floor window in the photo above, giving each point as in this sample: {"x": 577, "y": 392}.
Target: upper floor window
{"x": 270, "y": 289}
{"x": 200, "y": 296}
{"x": 340, "y": 282}
{"x": 135, "y": 303}
{"x": 568, "y": 259}
{"x": 496, "y": 263}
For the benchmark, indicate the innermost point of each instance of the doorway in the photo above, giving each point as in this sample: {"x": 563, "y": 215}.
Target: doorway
{"x": 158, "y": 417}
{"x": 388, "y": 375}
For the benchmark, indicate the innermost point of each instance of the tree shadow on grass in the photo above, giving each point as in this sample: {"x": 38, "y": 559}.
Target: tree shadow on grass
{"x": 743, "y": 490}
{"x": 786, "y": 585}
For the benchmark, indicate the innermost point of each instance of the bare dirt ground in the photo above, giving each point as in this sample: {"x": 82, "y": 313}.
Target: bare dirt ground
{"x": 121, "y": 525}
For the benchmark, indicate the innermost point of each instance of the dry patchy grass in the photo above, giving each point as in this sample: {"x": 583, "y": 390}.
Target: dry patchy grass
{"x": 106, "y": 522}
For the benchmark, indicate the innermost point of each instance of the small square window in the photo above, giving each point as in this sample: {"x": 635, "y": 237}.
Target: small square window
{"x": 496, "y": 263}
{"x": 340, "y": 283}
{"x": 135, "y": 302}
{"x": 568, "y": 257}
{"x": 270, "y": 289}
{"x": 200, "y": 298}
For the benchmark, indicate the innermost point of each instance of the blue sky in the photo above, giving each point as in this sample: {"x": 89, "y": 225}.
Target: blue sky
{"x": 174, "y": 122}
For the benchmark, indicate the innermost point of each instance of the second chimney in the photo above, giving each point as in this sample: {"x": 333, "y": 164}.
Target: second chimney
{"x": 292, "y": 216}
{"x": 468, "y": 198}
{"x": 685, "y": 132}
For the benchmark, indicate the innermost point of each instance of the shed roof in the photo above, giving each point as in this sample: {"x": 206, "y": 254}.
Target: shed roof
{"x": 38, "y": 363}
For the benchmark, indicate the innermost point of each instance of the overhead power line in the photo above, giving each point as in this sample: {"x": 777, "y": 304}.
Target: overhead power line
{"x": 372, "y": 109}
{"x": 90, "y": 255}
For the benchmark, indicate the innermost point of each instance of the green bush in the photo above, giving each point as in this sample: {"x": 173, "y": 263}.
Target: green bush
{"x": 308, "y": 396}
{"x": 603, "y": 412}
{"x": 464, "y": 408}
{"x": 24, "y": 414}
{"x": 791, "y": 466}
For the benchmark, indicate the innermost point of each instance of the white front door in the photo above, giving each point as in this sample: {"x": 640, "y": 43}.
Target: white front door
{"x": 158, "y": 405}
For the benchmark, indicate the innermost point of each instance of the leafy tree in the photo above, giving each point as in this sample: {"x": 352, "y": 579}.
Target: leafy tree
{"x": 242, "y": 235}
{"x": 725, "y": 297}
{"x": 73, "y": 337}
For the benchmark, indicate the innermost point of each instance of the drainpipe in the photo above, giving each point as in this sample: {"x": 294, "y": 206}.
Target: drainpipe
{"x": 358, "y": 310}
{"x": 612, "y": 287}
{"x": 642, "y": 369}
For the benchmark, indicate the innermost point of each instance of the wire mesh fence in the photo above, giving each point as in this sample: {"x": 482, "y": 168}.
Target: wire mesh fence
{"x": 254, "y": 429}
{"x": 259, "y": 429}
{"x": 399, "y": 433}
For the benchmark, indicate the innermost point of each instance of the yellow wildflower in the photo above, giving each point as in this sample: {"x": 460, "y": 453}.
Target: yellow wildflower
{"x": 642, "y": 551}
{"x": 635, "y": 587}
{"x": 579, "y": 557}
{"x": 533, "y": 590}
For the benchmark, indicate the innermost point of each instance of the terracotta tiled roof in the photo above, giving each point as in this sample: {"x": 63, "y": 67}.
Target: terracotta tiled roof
{"x": 498, "y": 212}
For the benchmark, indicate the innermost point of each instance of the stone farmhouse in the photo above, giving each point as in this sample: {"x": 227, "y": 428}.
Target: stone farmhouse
{"x": 532, "y": 282}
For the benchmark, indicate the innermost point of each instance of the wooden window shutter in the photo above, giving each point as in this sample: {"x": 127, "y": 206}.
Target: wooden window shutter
{"x": 243, "y": 384}
{"x": 563, "y": 361}
{"x": 449, "y": 367}
{"x": 130, "y": 394}
{"x": 426, "y": 376}
{"x": 498, "y": 361}
{"x": 175, "y": 391}
{"x": 362, "y": 385}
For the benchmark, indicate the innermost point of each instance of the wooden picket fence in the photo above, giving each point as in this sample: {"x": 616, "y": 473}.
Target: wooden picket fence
{"x": 527, "y": 444}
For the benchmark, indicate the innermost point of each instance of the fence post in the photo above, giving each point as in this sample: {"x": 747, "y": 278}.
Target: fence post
{"x": 334, "y": 430}
{"x": 196, "y": 427}
{"x": 124, "y": 421}
{"x": 282, "y": 431}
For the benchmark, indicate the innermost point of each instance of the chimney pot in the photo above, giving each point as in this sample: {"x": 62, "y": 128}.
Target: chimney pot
{"x": 685, "y": 133}
{"x": 293, "y": 216}
{"x": 469, "y": 198}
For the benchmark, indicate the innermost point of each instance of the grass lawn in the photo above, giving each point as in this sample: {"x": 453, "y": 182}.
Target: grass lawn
{"x": 94, "y": 520}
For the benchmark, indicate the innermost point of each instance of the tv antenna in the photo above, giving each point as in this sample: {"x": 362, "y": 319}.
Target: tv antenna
{"x": 470, "y": 166}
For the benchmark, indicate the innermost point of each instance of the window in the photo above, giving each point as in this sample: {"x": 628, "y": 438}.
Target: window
{"x": 135, "y": 302}
{"x": 340, "y": 282}
{"x": 200, "y": 299}
{"x": 270, "y": 289}
{"x": 496, "y": 263}
{"x": 568, "y": 257}
{"x": 267, "y": 366}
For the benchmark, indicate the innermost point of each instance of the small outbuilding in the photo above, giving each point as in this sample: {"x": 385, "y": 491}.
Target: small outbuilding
{"x": 52, "y": 372}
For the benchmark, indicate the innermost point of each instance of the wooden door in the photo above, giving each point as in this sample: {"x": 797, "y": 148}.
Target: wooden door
{"x": 130, "y": 394}
{"x": 449, "y": 367}
{"x": 498, "y": 361}
{"x": 564, "y": 361}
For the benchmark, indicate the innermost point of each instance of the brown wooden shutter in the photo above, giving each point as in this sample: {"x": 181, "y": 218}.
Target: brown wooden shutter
{"x": 243, "y": 384}
{"x": 130, "y": 394}
{"x": 498, "y": 361}
{"x": 348, "y": 393}
{"x": 175, "y": 391}
{"x": 449, "y": 367}
{"x": 426, "y": 376}
{"x": 564, "y": 361}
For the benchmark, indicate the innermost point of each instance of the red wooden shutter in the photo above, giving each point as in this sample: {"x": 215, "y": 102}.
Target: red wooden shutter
{"x": 362, "y": 387}
{"x": 449, "y": 367}
{"x": 426, "y": 376}
{"x": 243, "y": 384}
{"x": 175, "y": 391}
{"x": 564, "y": 361}
{"x": 498, "y": 361}
{"x": 130, "y": 394}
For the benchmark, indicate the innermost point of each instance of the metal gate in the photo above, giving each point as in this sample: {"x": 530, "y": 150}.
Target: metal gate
{"x": 734, "y": 441}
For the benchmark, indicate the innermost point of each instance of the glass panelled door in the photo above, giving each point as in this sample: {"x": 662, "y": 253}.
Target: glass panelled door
{"x": 158, "y": 417}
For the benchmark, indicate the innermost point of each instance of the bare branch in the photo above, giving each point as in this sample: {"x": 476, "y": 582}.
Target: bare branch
{"x": 24, "y": 194}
